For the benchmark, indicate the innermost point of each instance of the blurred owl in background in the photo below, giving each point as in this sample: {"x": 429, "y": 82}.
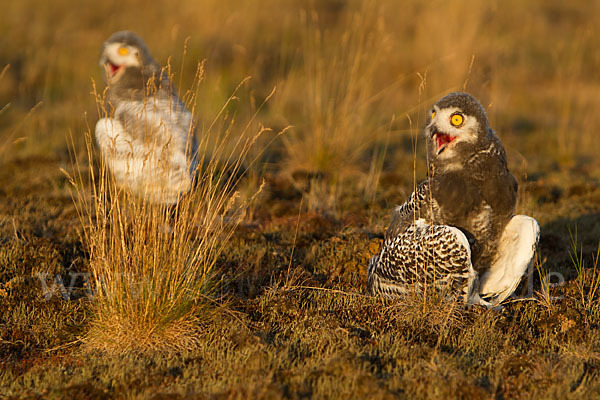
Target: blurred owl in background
{"x": 147, "y": 139}
{"x": 458, "y": 229}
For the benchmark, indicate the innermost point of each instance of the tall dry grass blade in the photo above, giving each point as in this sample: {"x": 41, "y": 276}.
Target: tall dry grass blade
{"x": 588, "y": 279}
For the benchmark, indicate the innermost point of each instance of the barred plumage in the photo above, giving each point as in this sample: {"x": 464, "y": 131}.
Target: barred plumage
{"x": 434, "y": 256}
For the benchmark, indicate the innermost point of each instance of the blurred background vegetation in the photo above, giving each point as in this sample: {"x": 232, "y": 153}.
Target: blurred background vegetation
{"x": 353, "y": 81}
{"x": 349, "y": 74}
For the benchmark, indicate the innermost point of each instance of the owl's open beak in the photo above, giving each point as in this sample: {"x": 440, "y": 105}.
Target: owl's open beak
{"x": 112, "y": 68}
{"x": 442, "y": 140}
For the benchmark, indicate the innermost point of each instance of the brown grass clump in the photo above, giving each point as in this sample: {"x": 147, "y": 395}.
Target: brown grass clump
{"x": 152, "y": 265}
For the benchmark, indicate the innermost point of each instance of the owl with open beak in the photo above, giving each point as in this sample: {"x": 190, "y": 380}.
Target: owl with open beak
{"x": 146, "y": 137}
{"x": 458, "y": 231}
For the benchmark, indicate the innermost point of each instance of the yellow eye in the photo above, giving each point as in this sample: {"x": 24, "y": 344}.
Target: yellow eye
{"x": 123, "y": 51}
{"x": 433, "y": 114}
{"x": 457, "y": 120}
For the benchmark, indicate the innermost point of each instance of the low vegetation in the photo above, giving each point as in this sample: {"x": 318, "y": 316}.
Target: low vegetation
{"x": 257, "y": 289}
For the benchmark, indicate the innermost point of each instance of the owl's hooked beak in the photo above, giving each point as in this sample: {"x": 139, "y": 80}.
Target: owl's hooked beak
{"x": 442, "y": 140}
{"x": 112, "y": 69}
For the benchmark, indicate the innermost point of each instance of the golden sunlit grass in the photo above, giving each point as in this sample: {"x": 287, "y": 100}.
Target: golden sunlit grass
{"x": 588, "y": 277}
{"x": 153, "y": 264}
{"x": 350, "y": 78}
{"x": 336, "y": 128}
{"x": 10, "y": 138}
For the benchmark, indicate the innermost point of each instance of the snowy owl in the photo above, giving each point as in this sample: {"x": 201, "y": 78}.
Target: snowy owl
{"x": 147, "y": 138}
{"x": 458, "y": 229}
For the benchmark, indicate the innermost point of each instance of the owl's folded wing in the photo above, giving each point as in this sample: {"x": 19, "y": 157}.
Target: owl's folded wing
{"x": 416, "y": 207}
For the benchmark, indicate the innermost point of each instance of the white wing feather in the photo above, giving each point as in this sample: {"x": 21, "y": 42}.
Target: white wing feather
{"x": 147, "y": 147}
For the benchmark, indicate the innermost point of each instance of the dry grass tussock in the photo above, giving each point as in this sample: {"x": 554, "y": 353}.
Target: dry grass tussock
{"x": 153, "y": 265}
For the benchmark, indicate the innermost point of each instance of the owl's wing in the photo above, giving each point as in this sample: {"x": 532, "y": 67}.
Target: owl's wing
{"x": 114, "y": 141}
{"x": 436, "y": 256}
{"x": 123, "y": 155}
{"x": 417, "y": 206}
{"x": 516, "y": 250}
{"x": 498, "y": 186}
{"x": 149, "y": 147}
{"x": 501, "y": 193}
{"x": 157, "y": 122}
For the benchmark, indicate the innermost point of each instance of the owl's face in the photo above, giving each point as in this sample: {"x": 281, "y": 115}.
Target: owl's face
{"x": 448, "y": 127}
{"x": 116, "y": 57}
{"x": 125, "y": 51}
{"x": 456, "y": 122}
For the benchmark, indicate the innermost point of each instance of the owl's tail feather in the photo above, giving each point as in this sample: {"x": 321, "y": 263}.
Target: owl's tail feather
{"x": 515, "y": 253}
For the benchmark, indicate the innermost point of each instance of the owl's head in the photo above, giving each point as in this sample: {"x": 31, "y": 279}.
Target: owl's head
{"x": 457, "y": 126}
{"x": 124, "y": 52}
